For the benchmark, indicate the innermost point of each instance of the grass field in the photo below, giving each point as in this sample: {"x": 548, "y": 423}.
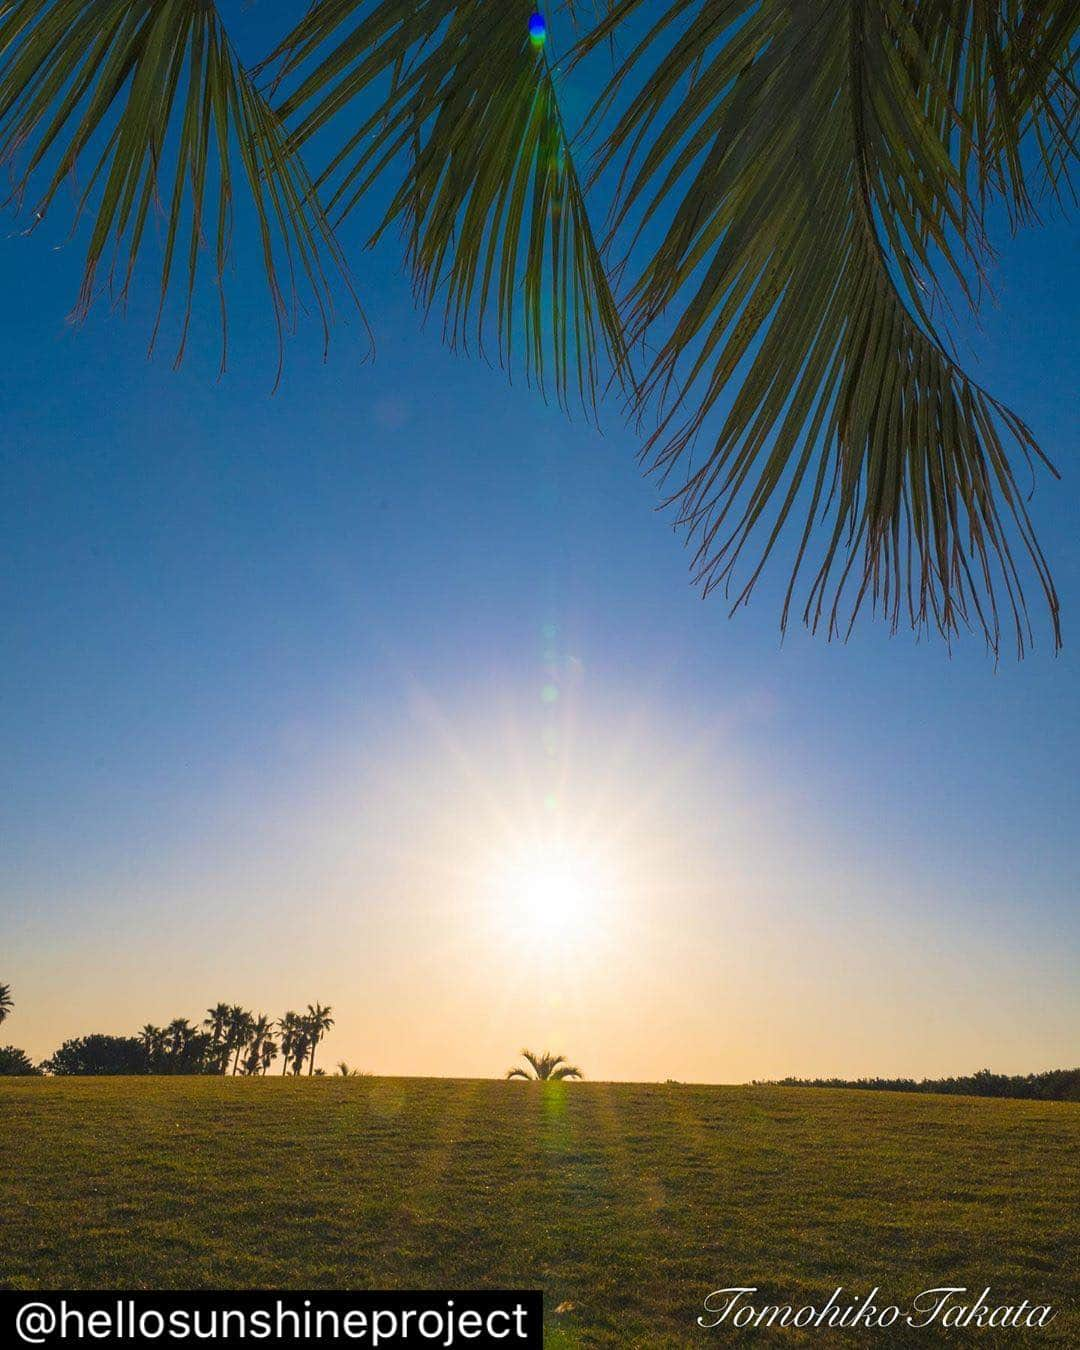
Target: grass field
{"x": 630, "y": 1202}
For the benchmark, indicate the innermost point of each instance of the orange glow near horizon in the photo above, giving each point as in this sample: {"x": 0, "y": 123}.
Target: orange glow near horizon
{"x": 488, "y": 872}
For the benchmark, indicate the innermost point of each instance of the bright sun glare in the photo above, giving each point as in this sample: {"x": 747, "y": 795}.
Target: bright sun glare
{"x": 552, "y": 889}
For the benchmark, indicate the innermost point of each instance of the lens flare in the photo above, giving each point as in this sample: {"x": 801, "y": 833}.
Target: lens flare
{"x": 537, "y": 29}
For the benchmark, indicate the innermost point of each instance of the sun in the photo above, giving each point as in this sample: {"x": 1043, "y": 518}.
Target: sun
{"x": 553, "y": 888}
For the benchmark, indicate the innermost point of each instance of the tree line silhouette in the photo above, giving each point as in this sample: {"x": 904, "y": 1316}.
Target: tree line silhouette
{"x": 230, "y": 1040}
{"x": 1056, "y": 1085}
{"x": 233, "y": 1040}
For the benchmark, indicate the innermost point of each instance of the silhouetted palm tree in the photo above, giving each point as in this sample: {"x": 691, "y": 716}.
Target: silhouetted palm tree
{"x": 545, "y": 1068}
{"x": 317, "y": 1023}
{"x": 217, "y": 1022}
{"x": 6, "y": 1001}
{"x": 239, "y": 1031}
{"x": 154, "y": 1040}
{"x": 343, "y": 1071}
{"x": 178, "y": 1034}
{"x": 260, "y": 1029}
{"x": 290, "y": 1032}
{"x": 269, "y": 1053}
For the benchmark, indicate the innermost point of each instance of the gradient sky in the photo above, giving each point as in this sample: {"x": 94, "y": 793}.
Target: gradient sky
{"x": 273, "y": 719}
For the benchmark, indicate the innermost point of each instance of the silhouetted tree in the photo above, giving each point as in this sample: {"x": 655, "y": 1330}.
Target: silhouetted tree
{"x": 1054, "y": 1085}
{"x": 240, "y": 1027}
{"x": 290, "y": 1034}
{"x": 216, "y": 1022}
{"x": 16, "y": 1063}
{"x": 177, "y": 1038}
{"x": 269, "y": 1052}
{"x": 6, "y": 1001}
{"x": 545, "y": 1068}
{"x": 260, "y": 1029}
{"x": 86, "y": 1055}
{"x": 154, "y": 1040}
{"x": 301, "y": 1041}
{"x": 232, "y": 1036}
{"x": 317, "y": 1023}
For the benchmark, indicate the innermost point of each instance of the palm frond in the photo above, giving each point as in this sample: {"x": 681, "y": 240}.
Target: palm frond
{"x": 539, "y": 1062}
{"x": 808, "y": 168}
{"x": 489, "y": 200}
{"x": 1007, "y": 68}
{"x": 565, "y": 1071}
{"x": 151, "y": 93}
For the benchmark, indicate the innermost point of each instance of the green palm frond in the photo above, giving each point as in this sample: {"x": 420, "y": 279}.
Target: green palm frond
{"x": 795, "y": 181}
{"x": 150, "y": 93}
{"x": 1007, "y": 68}
{"x": 453, "y": 96}
{"x": 802, "y": 172}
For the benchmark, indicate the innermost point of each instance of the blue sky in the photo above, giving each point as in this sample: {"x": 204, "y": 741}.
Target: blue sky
{"x": 223, "y": 609}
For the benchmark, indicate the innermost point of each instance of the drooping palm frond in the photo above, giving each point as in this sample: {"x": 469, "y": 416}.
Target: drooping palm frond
{"x": 804, "y": 167}
{"x": 799, "y": 171}
{"x": 1006, "y": 67}
{"x": 151, "y": 93}
{"x": 564, "y": 1071}
{"x": 493, "y": 213}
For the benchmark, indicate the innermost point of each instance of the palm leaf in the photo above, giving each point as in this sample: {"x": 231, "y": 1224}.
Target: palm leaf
{"x": 134, "y": 86}
{"x": 540, "y": 1063}
{"x": 565, "y": 1071}
{"x": 807, "y": 169}
{"x": 463, "y": 107}
{"x": 1007, "y": 68}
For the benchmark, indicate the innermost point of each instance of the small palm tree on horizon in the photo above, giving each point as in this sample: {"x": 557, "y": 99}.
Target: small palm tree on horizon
{"x": 546, "y": 1068}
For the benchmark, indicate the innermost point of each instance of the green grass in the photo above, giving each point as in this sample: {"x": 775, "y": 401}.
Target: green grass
{"x": 629, "y": 1201}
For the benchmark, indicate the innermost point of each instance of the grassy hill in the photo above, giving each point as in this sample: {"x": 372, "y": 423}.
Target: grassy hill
{"x": 630, "y": 1202}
